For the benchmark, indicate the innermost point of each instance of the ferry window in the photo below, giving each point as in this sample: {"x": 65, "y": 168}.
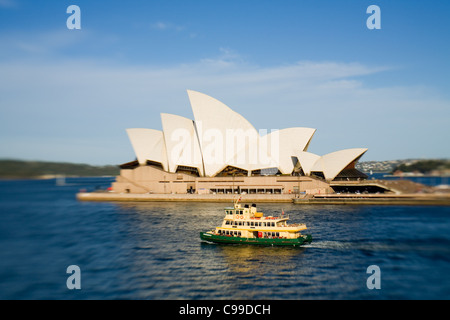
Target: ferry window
{"x": 277, "y": 234}
{"x": 227, "y": 222}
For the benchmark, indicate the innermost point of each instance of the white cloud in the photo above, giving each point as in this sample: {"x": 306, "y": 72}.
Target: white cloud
{"x": 8, "y": 3}
{"x": 45, "y": 44}
{"x": 166, "y": 26}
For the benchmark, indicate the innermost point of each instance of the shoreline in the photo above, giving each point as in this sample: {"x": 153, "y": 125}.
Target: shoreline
{"x": 153, "y": 197}
{"x": 334, "y": 199}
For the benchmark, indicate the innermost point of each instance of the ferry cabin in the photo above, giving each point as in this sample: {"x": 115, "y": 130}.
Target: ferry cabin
{"x": 246, "y": 222}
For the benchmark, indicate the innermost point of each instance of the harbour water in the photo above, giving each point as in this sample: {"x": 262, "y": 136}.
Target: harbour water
{"x": 153, "y": 251}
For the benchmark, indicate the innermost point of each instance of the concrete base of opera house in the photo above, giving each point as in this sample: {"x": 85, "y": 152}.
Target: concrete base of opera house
{"x": 147, "y": 183}
{"x": 152, "y": 180}
{"x": 378, "y": 199}
{"x": 330, "y": 199}
{"x": 113, "y": 196}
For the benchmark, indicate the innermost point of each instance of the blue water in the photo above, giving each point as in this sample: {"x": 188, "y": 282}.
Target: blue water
{"x": 153, "y": 250}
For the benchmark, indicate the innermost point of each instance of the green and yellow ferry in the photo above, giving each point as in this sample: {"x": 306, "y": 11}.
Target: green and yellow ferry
{"x": 245, "y": 225}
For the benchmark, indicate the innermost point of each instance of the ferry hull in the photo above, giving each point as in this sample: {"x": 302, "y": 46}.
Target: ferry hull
{"x": 255, "y": 241}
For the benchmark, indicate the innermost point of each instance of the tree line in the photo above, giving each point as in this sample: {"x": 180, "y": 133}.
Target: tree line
{"x": 34, "y": 169}
{"x": 424, "y": 166}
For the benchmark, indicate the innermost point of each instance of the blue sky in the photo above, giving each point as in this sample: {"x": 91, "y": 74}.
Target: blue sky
{"x": 69, "y": 95}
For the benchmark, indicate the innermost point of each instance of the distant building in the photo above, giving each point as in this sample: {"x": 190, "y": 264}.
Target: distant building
{"x": 221, "y": 152}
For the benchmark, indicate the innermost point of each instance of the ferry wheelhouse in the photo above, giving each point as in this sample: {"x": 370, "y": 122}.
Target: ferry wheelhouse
{"x": 245, "y": 225}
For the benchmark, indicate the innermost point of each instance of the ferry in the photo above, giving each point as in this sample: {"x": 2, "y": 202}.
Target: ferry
{"x": 245, "y": 225}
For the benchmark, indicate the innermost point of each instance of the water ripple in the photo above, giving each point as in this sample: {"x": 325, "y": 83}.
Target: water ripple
{"x": 153, "y": 250}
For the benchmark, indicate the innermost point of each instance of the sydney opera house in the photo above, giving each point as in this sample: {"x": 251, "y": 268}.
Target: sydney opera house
{"x": 221, "y": 152}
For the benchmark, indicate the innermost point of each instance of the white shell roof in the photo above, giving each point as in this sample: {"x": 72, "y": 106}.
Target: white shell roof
{"x": 307, "y": 161}
{"x": 220, "y": 137}
{"x": 181, "y": 142}
{"x": 287, "y": 143}
{"x": 333, "y": 163}
{"x": 226, "y": 137}
{"x": 148, "y": 144}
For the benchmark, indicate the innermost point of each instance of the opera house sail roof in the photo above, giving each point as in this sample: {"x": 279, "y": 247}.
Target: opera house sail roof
{"x": 220, "y": 141}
